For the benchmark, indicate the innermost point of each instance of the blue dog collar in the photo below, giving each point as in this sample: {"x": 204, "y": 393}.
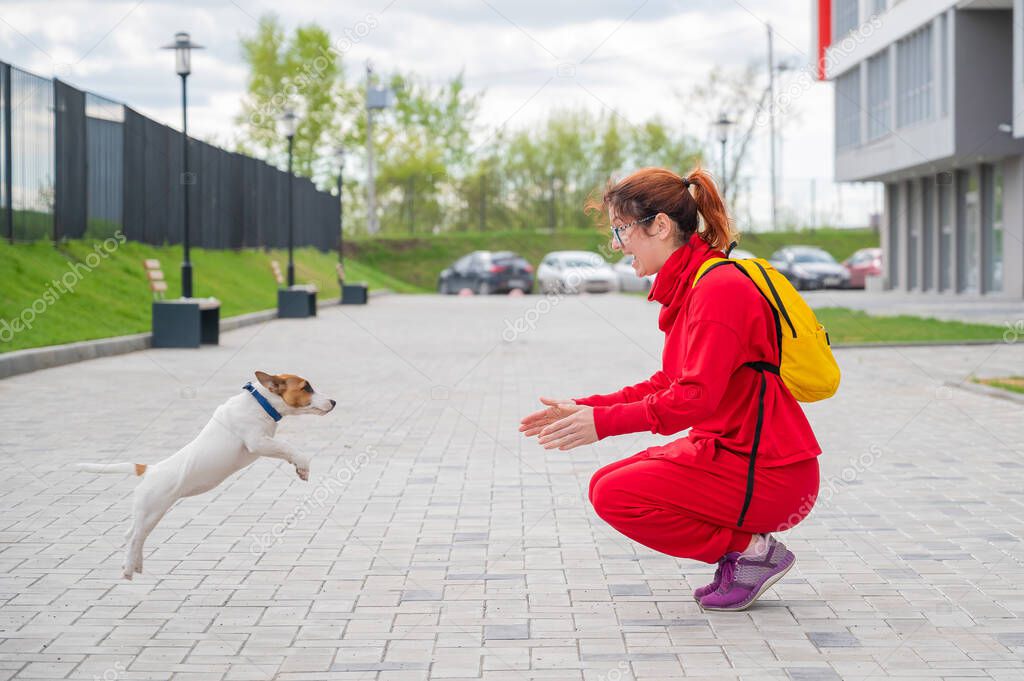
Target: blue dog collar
{"x": 267, "y": 407}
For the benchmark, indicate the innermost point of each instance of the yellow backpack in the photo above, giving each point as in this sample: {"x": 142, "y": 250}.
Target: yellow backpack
{"x": 807, "y": 366}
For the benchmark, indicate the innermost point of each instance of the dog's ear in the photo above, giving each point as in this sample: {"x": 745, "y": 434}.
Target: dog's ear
{"x": 271, "y": 383}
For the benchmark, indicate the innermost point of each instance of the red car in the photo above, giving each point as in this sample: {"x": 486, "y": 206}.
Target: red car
{"x": 864, "y": 263}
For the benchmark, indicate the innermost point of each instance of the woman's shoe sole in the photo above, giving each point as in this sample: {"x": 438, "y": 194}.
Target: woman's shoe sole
{"x": 764, "y": 587}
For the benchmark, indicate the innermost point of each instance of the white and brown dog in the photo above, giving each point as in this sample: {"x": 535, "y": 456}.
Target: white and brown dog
{"x": 241, "y": 430}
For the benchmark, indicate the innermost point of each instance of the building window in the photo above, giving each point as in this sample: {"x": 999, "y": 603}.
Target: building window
{"x": 879, "y": 108}
{"x": 944, "y": 57}
{"x": 913, "y": 234}
{"x": 945, "y": 186}
{"x": 914, "y": 77}
{"x": 845, "y": 18}
{"x": 892, "y": 258}
{"x": 969, "y": 230}
{"x": 992, "y": 226}
{"x": 848, "y": 109}
{"x": 927, "y": 232}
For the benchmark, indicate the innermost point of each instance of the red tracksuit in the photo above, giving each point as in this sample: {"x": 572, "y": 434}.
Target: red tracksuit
{"x": 684, "y": 498}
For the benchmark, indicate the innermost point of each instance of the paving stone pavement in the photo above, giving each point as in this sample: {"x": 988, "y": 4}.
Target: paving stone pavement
{"x": 433, "y": 542}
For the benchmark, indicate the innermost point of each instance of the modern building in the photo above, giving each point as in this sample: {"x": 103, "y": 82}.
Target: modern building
{"x": 929, "y": 99}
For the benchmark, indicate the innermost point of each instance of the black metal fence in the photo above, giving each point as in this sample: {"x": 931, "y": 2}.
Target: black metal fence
{"x": 74, "y": 164}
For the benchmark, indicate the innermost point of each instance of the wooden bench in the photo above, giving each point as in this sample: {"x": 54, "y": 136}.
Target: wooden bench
{"x": 157, "y": 283}
{"x": 276, "y": 269}
{"x": 180, "y": 322}
{"x": 351, "y": 294}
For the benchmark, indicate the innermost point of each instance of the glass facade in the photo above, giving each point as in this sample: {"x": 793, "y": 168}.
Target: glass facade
{"x": 970, "y": 232}
{"x": 913, "y": 233}
{"x": 892, "y": 260}
{"x": 992, "y": 227}
{"x": 879, "y": 107}
{"x": 945, "y": 190}
{"x": 914, "y": 77}
{"x": 845, "y": 18}
{"x": 848, "y": 109}
{"x": 927, "y": 233}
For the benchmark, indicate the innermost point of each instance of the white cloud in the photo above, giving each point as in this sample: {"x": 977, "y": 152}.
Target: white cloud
{"x": 510, "y": 49}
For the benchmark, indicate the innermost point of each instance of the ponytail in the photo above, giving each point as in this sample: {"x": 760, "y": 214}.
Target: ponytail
{"x": 718, "y": 231}
{"x": 687, "y": 200}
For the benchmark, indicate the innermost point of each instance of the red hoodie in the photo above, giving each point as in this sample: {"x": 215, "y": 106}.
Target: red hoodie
{"x": 711, "y": 330}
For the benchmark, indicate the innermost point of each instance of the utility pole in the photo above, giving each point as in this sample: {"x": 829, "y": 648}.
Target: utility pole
{"x": 483, "y": 203}
{"x": 771, "y": 126}
{"x": 814, "y": 203}
{"x": 371, "y": 189}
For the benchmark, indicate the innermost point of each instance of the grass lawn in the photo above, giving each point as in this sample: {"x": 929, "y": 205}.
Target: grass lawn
{"x": 853, "y": 326}
{"x": 1011, "y": 383}
{"x": 419, "y": 260}
{"x": 114, "y": 298}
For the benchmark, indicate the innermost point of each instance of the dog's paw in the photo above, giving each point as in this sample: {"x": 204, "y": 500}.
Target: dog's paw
{"x": 303, "y": 473}
{"x": 128, "y": 572}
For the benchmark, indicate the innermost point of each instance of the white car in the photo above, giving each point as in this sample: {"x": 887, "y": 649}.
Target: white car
{"x": 576, "y": 272}
{"x": 628, "y": 281}
{"x": 740, "y": 254}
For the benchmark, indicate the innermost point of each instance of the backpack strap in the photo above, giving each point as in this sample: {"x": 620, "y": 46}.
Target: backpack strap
{"x": 718, "y": 262}
{"x": 778, "y": 299}
{"x": 762, "y": 368}
{"x": 749, "y": 494}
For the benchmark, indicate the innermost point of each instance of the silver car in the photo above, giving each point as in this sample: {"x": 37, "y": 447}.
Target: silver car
{"x": 628, "y": 281}
{"x": 576, "y": 272}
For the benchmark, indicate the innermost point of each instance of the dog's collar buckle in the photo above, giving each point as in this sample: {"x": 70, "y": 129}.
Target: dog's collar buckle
{"x": 267, "y": 407}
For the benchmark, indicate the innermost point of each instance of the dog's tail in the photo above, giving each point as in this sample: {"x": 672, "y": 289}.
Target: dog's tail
{"x": 136, "y": 468}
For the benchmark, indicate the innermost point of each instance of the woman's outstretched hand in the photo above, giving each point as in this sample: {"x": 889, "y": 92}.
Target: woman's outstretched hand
{"x": 554, "y": 410}
{"x": 562, "y": 425}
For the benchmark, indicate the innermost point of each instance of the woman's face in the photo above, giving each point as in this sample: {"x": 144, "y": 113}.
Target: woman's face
{"x": 650, "y": 243}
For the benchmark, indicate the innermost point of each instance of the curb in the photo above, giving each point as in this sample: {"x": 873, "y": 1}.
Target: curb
{"x": 916, "y": 344}
{"x": 34, "y": 359}
{"x": 987, "y": 390}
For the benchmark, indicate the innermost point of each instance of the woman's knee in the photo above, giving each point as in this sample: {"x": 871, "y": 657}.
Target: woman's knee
{"x": 609, "y": 493}
{"x": 611, "y": 468}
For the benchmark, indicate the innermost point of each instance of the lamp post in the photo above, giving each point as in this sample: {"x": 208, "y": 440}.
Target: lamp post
{"x": 339, "y": 155}
{"x": 289, "y": 122}
{"x": 377, "y": 99}
{"x": 183, "y": 47}
{"x": 722, "y": 125}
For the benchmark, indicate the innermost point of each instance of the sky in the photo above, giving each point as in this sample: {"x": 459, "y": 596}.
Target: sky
{"x": 636, "y": 58}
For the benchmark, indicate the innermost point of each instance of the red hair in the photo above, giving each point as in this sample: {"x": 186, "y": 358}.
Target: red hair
{"x": 687, "y": 201}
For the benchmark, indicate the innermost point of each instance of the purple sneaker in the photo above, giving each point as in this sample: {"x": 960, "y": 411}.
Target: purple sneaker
{"x": 701, "y": 592}
{"x": 745, "y": 579}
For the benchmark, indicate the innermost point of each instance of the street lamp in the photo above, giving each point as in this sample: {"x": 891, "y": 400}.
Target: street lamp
{"x": 377, "y": 99}
{"x": 339, "y": 155}
{"x": 183, "y": 47}
{"x": 289, "y": 122}
{"x": 722, "y": 125}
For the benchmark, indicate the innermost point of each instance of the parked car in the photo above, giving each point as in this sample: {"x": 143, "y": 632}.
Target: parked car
{"x": 628, "y": 280}
{"x": 862, "y": 264}
{"x": 485, "y": 272}
{"x": 576, "y": 272}
{"x": 809, "y": 267}
{"x": 740, "y": 254}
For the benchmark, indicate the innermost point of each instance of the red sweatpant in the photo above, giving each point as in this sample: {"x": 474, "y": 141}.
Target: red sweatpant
{"x": 688, "y": 508}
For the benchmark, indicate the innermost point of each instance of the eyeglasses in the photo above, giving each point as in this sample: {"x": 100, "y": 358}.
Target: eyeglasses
{"x": 617, "y": 231}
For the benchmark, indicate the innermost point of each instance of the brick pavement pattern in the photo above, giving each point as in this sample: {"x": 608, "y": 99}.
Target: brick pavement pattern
{"x": 433, "y": 542}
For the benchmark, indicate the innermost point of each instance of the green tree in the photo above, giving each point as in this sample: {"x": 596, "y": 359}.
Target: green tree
{"x": 423, "y": 152}
{"x": 302, "y": 71}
